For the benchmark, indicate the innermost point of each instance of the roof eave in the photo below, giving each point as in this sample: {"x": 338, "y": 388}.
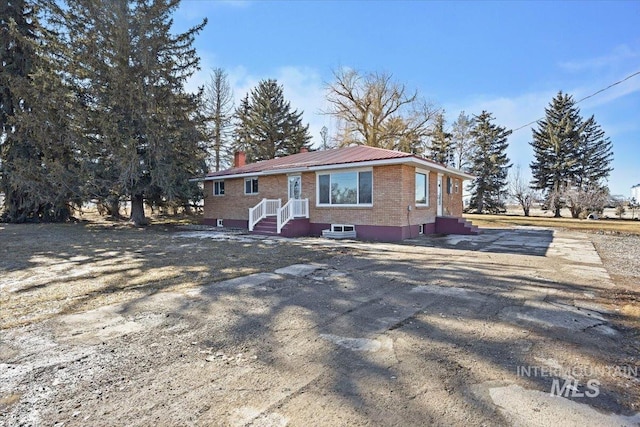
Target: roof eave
{"x": 369, "y": 163}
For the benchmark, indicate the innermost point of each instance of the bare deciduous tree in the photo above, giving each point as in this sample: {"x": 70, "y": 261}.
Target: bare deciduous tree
{"x": 462, "y": 141}
{"x": 584, "y": 199}
{"x": 519, "y": 189}
{"x": 219, "y": 110}
{"x": 374, "y": 110}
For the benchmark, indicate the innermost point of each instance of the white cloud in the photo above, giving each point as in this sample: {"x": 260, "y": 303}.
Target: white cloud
{"x": 511, "y": 113}
{"x": 609, "y": 94}
{"x": 619, "y": 54}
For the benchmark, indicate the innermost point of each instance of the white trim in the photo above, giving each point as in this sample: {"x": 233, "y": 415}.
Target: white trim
{"x": 439, "y": 195}
{"x": 426, "y": 173}
{"x": 245, "y": 186}
{"x": 214, "y": 188}
{"x": 343, "y": 170}
{"x": 412, "y": 161}
{"x": 342, "y": 228}
{"x": 289, "y": 176}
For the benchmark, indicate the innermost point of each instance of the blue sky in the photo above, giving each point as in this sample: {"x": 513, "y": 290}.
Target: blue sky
{"x": 509, "y": 58}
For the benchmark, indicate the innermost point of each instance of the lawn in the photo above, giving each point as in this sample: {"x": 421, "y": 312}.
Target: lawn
{"x": 50, "y": 269}
{"x": 601, "y": 225}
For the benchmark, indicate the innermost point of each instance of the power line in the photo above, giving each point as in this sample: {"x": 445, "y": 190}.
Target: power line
{"x": 582, "y": 99}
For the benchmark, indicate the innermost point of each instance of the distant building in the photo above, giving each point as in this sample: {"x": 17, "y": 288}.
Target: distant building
{"x": 635, "y": 192}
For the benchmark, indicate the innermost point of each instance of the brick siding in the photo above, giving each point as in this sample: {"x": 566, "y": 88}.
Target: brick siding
{"x": 393, "y": 192}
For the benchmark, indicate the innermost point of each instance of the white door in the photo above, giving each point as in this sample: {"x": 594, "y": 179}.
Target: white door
{"x": 295, "y": 192}
{"x": 295, "y": 187}
{"x": 439, "y": 213}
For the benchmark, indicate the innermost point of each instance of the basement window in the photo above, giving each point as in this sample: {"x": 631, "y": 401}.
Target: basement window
{"x": 339, "y": 228}
{"x": 219, "y": 223}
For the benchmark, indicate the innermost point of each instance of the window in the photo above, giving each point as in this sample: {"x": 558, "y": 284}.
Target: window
{"x": 456, "y": 186}
{"x": 251, "y": 186}
{"x": 219, "y": 223}
{"x": 218, "y": 188}
{"x": 422, "y": 189}
{"x": 421, "y": 229}
{"x": 341, "y": 228}
{"x": 345, "y": 188}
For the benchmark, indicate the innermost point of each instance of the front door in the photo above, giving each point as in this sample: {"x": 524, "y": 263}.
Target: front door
{"x": 439, "y": 213}
{"x": 295, "y": 187}
{"x": 295, "y": 192}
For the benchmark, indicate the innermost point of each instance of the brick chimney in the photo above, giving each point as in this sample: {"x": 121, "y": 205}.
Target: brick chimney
{"x": 304, "y": 150}
{"x": 239, "y": 159}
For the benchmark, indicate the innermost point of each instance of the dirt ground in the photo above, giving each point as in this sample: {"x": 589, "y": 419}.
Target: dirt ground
{"x": 111, "y": 326}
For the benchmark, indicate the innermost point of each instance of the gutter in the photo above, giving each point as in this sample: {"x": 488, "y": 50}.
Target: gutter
{"x": 410, "y": 160}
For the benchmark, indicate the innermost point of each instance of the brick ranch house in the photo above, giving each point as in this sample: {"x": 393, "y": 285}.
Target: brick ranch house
{"x": 359, "y": 191}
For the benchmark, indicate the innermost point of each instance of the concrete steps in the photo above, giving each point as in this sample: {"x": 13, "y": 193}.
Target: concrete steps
{"x": 268, "y": 226}
{"x": 455, "y": 225}
{"x": 294, "y": 228}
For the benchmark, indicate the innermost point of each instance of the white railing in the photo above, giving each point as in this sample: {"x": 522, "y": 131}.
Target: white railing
{"x": 294, "y": 208}
{"x": 266, "y": 207}
{"x": 272, "y": 206}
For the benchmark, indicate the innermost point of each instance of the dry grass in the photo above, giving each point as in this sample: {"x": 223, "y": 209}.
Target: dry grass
{"x": 602, "y": 225}
{"x": 49, "y": 269}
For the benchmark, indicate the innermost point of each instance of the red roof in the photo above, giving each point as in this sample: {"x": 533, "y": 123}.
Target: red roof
{"x": 355, "y": 154}
{"x": 339, "y": 156}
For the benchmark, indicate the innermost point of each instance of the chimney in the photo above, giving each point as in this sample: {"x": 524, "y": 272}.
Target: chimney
{"x": 239, "y": 159}
{"x": 304, "y": 150}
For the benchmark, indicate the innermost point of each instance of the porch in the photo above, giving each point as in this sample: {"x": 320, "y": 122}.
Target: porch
{"x": 271, "y": 218}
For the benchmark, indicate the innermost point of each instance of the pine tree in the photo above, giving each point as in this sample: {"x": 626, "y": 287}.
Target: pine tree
{"x": 489, "y": 164}
{"x": 42, "y": 177}
{"x": 441, "y": 147}
{"x": 571, "y": 155}
{"x": 594, "y": 155}
{"x": 142, "y": 128}
{"x": 266, "y": 127}
{"x": 241, "y": 132}
{"x": 17, "y": 28}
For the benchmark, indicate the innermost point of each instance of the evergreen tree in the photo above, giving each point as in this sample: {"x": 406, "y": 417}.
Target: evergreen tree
{"x": 555, "y": 143}
{"x": 572, "y": 156}
{"x": 441, "y": 147}
{"x": 143, "y": 130}
{"x": 266, "y": 127}
{"x": 489, "y": 164}
{"x": 41, "y": 176}
{"x": 241, "y": 131}
{"x": 17, "y": 28}
{"x": 594, "y": 155}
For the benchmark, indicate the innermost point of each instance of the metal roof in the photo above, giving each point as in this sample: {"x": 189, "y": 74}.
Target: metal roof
{"x": 312, "y": 160}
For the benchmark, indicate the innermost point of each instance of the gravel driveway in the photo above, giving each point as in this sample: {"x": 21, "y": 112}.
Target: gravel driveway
{"x": 512, "y": 327}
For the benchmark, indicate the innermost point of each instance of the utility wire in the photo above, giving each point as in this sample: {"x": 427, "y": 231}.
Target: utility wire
{"x": 582, "y": 99}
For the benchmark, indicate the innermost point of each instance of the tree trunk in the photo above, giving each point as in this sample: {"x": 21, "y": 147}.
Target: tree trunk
{"x": 137, "y": 210}
{"x": 113, "y": 207}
